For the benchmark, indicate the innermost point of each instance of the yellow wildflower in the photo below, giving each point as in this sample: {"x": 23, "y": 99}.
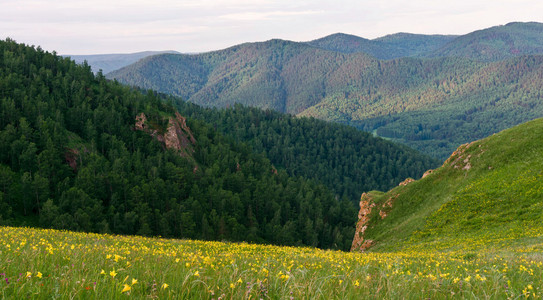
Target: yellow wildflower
{"x": 28, "y": 274}
{"x": 102, "y": 272}
{"x": 134, "y": 281}
{"x": 197, "y": 274}
{"x": 126, "y": 288}
{"x": 39, "y": 275}
{"x": 357, "y": 283}
{"x": 113, "y": 273}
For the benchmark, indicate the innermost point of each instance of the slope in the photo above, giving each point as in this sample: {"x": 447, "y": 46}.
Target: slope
{"x": 348, "y": 161}
{"x": 489, "y": 192}
{"x": 80, "y": 152}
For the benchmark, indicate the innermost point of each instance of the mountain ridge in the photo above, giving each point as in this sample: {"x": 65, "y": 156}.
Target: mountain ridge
{"x": 404, "y": 99}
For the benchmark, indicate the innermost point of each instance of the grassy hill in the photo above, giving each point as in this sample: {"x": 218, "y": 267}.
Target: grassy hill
{"x": 433, "y": 105}
{"x": 488, "y": 193}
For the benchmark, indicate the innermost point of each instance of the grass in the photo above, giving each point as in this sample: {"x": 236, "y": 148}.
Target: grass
{"x": 45, "y": 264}
{"x": 500, "y": 194}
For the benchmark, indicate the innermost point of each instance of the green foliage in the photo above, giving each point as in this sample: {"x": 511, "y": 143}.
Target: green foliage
{"x": 348, "y": 161}
{"x": 489, "y": 191}
{"x": 70, "y": 158}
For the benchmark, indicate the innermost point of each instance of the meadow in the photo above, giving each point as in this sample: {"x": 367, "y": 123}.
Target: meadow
{"x": 51, "y": 264}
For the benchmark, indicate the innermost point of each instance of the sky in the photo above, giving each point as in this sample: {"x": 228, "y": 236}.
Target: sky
{"x": 190, "y": 26}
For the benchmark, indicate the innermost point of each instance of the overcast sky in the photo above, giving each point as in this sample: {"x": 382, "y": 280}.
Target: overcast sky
{"x": 125, "y": 26}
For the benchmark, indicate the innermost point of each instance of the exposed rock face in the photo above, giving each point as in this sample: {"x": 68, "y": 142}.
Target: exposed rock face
{"x": 407, "y": 181}
{"x": 427, "y": 173}
{"x": 459, "y": 159}
{"x": 177, "y": 135}
{"x": 71, "y": 156}
{"x": 366, "y": 205}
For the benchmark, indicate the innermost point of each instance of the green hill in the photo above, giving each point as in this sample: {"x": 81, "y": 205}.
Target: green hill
{"x": 432, "y": 105}
{"x": 489, "y": 192}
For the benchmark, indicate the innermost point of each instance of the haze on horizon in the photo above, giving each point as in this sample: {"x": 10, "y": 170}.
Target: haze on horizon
{"x": 126, "y": 26}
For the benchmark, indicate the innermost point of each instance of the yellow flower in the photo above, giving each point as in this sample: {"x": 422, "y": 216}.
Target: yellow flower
{"x": 113, "y": 273}
{"x": 126, "y": 288}
{"x": 232, "y": 286}
{"x": 102, "y": 272}
{"x": 357, "y": 283}
{"x": 197, "y": 274}
{"x": 177, "y": 260}
{"x": 455, "y": 280}
{"x": 239, "y": 280}
{"x": 28, "y": 274}
{"x": 39, "y": 275}
{"x": 467, "y": 279}
{"x": 165, "y": 286}
{"x": 134, "y": 281}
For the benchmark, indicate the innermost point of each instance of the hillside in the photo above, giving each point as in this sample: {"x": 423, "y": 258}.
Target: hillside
{"x": 432, "y": 105}
{"x": 495, "y": 43}
{"x": 489, "y": 193}
{"x": 112, "y": 62}
{"x": 82, "y": 153}
{"x": 387, "y": 47}
{"x": 341, "y": 157}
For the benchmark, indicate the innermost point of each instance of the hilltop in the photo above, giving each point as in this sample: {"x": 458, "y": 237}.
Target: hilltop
{"x": 489, "y": 193}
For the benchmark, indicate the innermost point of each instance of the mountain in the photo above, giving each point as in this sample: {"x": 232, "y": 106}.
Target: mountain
{"x": 488, "y": 192}
{"x": 112, "y": 62}
{"x": 432, "y": 105}
{"x": 495, "y": 43}
{"x": 83, "y": 153}
{"x": 80, "y": 152}
{"x": 387, "y": 47}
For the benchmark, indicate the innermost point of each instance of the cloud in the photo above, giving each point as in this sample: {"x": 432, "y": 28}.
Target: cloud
{"x": 261, "y": 16}
{"x": 101, "y": 26}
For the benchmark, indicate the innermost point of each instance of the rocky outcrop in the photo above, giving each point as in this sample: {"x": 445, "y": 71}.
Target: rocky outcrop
{"x": 177, "y": 134}
{"x": 366, "y": 205}
{"x": 406, "y": 181}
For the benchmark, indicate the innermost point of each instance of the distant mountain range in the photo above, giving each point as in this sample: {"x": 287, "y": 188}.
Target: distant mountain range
{"x": 112, "y": 62}
{"x": 430, "y": 92}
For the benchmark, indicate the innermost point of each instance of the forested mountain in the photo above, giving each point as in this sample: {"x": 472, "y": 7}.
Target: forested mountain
{"x": 343, "y": 158}
{"x": 387, "y": 47}
{"x": 79, "y": 152}
{"x": 488, "y": 193}
{"x": 433, "y": 105}
{"x": 495, "y": 43}
{"x": 112, "y": 62}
